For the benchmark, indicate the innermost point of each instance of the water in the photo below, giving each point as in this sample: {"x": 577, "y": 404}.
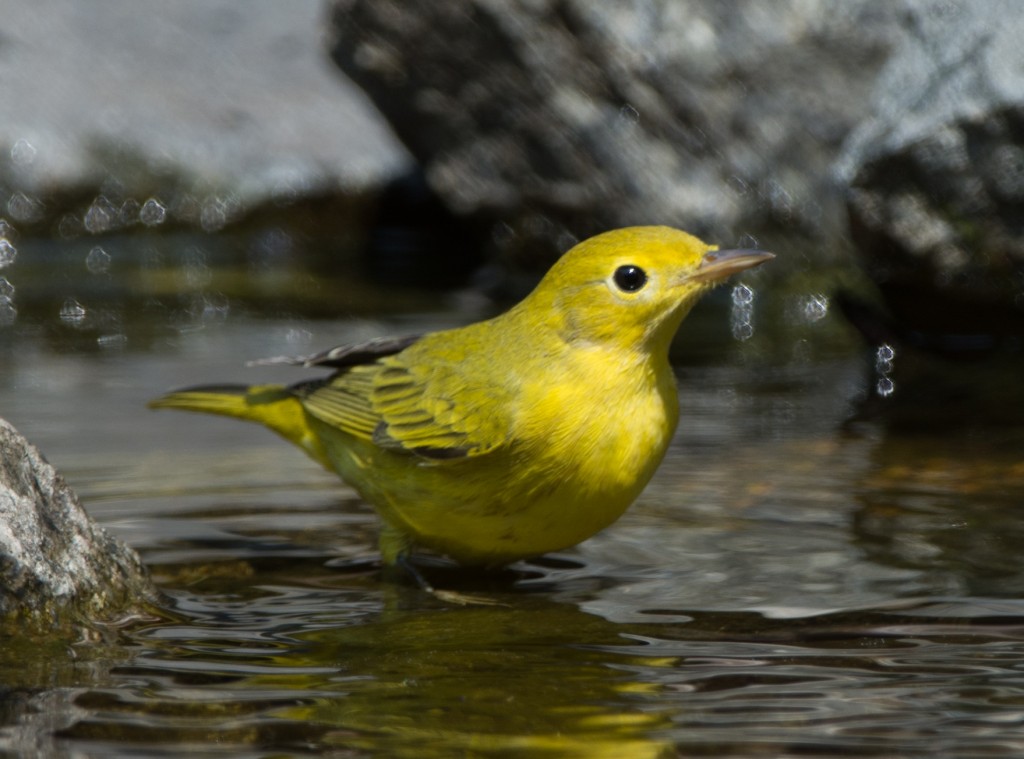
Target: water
{"x": 800, "y": 579}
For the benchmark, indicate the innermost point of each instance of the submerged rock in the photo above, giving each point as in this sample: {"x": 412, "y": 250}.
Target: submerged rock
{"x": 59, "y": 571}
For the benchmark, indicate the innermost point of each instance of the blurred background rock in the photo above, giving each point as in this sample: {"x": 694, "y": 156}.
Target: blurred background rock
{"x": 560, "y": 119}
{"x": 212, "y": 110}
{"x": 854, "y": 138}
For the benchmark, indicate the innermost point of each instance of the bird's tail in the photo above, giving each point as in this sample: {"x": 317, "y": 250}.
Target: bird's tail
{"x": 273, "y": 406}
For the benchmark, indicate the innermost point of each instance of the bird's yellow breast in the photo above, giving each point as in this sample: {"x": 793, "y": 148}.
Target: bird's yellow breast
{"x": 580, "y": 454}
{"x": 605, "y": 422}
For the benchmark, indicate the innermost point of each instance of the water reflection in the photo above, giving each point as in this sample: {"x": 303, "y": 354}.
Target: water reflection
{"x": 487, "y": 680}
{"x": 951, "y": 507}
{"x": 310, "y": 660}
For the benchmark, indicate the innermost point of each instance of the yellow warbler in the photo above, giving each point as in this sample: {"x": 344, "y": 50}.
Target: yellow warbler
{"x": 515, "y": 436}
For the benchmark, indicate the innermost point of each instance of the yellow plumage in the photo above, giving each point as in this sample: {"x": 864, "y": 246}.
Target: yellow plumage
{"x": 515, "y": 436}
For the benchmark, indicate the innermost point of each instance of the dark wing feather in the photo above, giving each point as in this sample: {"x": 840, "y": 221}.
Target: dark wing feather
{"x": 343, "y": 356}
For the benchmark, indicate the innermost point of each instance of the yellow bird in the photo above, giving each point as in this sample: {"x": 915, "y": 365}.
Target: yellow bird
{"x": 515, "y": 436}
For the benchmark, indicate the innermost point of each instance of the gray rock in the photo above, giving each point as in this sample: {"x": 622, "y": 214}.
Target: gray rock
{"x": 209, "y": 107}
{"x": 937, "y": 180}
{"x": 59, "y": 571}
{"x": 562, "y": 118}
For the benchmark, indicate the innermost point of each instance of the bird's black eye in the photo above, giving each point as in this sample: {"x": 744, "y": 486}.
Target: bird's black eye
{"x": 629, "y": 278}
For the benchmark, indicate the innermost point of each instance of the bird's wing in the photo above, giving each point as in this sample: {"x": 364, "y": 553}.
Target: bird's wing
{"x": 427, "y": 408}
{"x": 343, "y": 400}
{"x": 343, "y": 356}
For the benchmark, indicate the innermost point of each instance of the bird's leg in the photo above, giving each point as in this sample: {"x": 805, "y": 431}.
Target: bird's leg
{"x": 404, "y": 562}
{"x": 396, "y": 550}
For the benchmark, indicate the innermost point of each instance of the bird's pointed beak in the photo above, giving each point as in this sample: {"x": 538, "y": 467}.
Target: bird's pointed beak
{"x": 719, "y": 264}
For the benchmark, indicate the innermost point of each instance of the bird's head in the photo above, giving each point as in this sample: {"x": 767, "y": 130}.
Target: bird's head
{"x": 632, "y": 287}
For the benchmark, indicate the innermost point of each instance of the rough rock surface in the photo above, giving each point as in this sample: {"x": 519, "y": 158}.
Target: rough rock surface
{"x": 59, "y": 571}
{"x": 937, "y": 179}
{"x": 562, "y": 117}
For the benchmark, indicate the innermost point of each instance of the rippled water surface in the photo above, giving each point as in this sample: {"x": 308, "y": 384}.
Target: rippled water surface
{"x": 802, "y": 578}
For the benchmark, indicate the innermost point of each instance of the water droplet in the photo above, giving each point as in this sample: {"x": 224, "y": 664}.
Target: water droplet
{"x": 748, "y": 242}
{"x": 6, "y": 289}
{"x": 98, "y": 218}
{"x": 112, "y": 342}
{"x": 8, "y": 312}
{"x": 742, "y": 330}
{"x": 885, "y": 386}
{"x": 153, "y": 213}
{"x": 742, "y": 295}
{"x": 129, "y": 211}
{"x": 69, "y": 226}
{"x": 24, "y": 208}
{"x": 6, "y": 230}
{"x": 815, "y": 307}
{"x": 23, "y": 153}
{"x": 98, "y": 261}
{"x": 214, "y": 215}
{"x": 72, "y": 312}
{"x": 741, "y": 315}
{"x": 884, "y": 356}
{"x": 186, "y": 207}
{"x": 7, "y": 252}
{"x": 630, "y": 114}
